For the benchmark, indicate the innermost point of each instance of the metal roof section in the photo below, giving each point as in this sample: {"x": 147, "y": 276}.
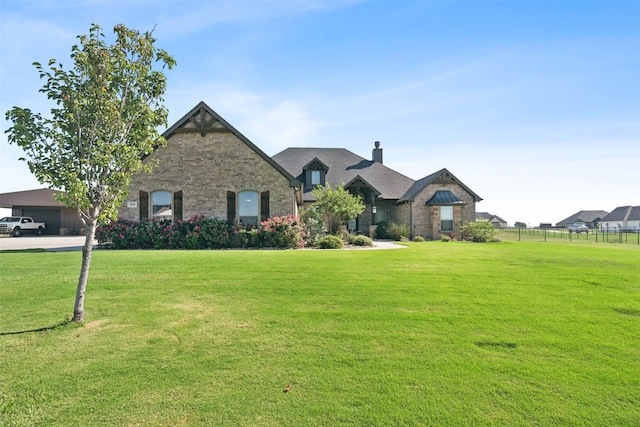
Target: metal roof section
{"x": 202, "y": 119}
{"x": 41, "y": 197}
{"x": 443, "y": 198}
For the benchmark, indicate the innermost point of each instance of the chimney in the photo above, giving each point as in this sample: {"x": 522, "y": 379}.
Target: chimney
{"x": 376, "y": 154}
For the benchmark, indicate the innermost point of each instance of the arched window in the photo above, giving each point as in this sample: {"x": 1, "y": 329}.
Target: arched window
{"x": 161, "y": 205}
{"x": 248, "y": 208}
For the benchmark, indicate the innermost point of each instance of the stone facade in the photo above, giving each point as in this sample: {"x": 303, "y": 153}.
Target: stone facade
{"x": 204, "y": 165}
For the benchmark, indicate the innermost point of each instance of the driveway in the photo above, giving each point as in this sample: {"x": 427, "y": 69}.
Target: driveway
{"x": 49, "y": 243}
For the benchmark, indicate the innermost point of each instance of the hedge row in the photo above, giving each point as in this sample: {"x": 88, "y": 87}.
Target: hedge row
{"x": 201, "y": 233}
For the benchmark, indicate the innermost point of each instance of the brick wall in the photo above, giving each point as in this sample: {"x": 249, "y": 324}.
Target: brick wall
{"x": 426, "y": 219}
{"x": 204, "y": 168}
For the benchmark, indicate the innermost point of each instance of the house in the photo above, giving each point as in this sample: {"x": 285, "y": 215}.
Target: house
{"x": 209, "y": 168}
{"x": 625, "y": 218}
{"x": 590, "y": 218}
{"x": 42, "y": 206}
{"x": 436, "y": 204}
{"x": 493, "y": 219}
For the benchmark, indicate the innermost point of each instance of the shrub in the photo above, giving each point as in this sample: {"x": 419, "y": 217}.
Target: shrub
{"x": 479, "y": 231}
{"x": 312, "y": 226}
{"x": 330, "y": 242}
{"x": 361, "y": 241}
{"x": 418, "y": 239}
{"x": 382, "y": 230}
{"x": 282, "y": 232}
{"x": 398, "y": 231}
{"x": 200, "y": 233}
{"x": 446, "y": 238}
{"x": 392, "y": 231}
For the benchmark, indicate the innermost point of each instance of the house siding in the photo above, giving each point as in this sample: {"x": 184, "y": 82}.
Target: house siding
{"x": 205, "y": 168}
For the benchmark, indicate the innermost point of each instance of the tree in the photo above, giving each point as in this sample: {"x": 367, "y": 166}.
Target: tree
{"x": 108, "y": 109}
{"x": 520, "y": 224}
{"x": 336, "y": 206}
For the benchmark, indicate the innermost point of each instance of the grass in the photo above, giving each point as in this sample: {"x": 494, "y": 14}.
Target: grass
{"x": 514, "y": 333}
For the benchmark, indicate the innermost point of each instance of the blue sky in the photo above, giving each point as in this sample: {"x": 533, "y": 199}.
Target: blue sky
{"x": 535, "y": 105}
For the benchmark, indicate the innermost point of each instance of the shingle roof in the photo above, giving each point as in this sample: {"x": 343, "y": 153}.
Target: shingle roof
{"x": 584, "y": 216}
{"x": 489, "y": 217}
{"x": 345, "y": 166}
{"x": 620, "y": 214}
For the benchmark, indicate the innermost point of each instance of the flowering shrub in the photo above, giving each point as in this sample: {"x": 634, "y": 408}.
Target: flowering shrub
{"x": 282, "y": 232}
{"x": 200, "y": 233}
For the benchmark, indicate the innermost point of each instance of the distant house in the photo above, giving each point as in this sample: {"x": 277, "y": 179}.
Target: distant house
{"x": 622, "y": 218}
{"x": 589, "y": 218}
{"x": 493, "y": 219}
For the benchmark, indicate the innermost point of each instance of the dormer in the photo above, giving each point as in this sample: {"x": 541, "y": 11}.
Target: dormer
{"x": 315, "y": 173}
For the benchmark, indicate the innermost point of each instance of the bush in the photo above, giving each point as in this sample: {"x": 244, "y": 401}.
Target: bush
{"x": 330, "y": 242}
{"x": 361, "y": 241}
{"x": 479, "y": 231}
{"x": 382, "y": 230}
{"x": 391, "y": 231}
{"x": 419, "y": 239}
{"x": 446, "y": 238}
{"x": 282, "y": 232}
{"x": 200, "y": 233}
{"x": 398, "y": 232}
{"x": 312, "y": 226}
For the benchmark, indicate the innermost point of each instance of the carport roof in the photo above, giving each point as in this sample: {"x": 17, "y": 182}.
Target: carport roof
{"x": 42, "y": 197}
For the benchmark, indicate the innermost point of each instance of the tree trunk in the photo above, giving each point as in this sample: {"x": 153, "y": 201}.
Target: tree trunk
{"x": 78, "y": 309}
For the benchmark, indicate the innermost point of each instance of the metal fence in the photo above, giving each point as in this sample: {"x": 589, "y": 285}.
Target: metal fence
{"x": 597, "y": 236}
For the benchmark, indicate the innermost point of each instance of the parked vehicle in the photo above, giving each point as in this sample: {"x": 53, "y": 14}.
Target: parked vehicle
{"x": 578, "y": 228}
{"x": 18, "y": 225}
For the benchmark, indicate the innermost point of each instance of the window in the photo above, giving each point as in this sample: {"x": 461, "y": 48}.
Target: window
{"x": 248, "y": 208}
{"x": 315, "y": 178}
{"x": 381, "y": 215}
{"x": 446, "y": 218}
{"x": 161, "y": 205}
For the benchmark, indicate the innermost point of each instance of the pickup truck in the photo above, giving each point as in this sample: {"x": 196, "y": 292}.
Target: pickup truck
{"x": 17, "y": 225}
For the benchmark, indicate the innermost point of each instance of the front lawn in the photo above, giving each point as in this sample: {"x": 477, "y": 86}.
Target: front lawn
{"x": 513, "y": 333}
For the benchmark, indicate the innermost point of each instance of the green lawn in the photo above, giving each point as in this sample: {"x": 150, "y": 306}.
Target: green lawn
{"x": 514, "y": 333}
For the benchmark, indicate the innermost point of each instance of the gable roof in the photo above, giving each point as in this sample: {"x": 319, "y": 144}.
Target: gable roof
{"x": 443, "y": 175}
{"x": 202, "y": 119}
{"x": 584, "y": 216}
{"x": 345, "y": 167}
{"x": 489, "y": 217}
{"x": 624, "y": 213}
